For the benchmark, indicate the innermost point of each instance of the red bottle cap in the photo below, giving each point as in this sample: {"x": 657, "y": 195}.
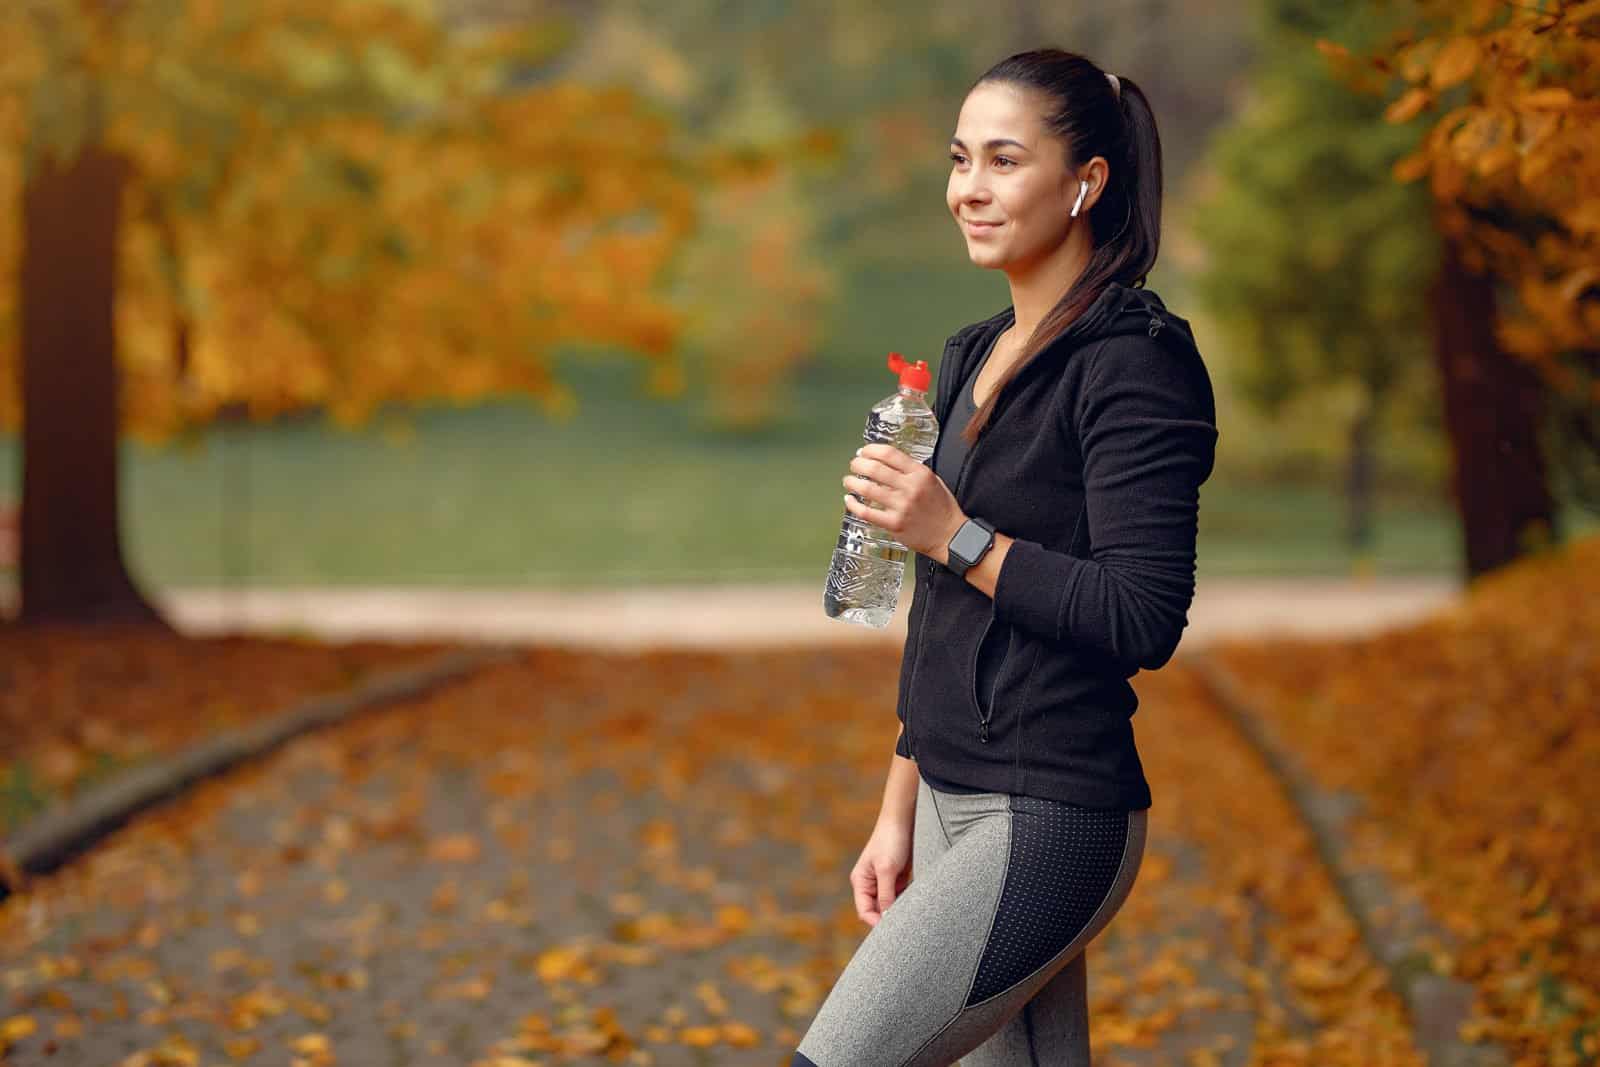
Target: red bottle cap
{"x": 912, "y": 375}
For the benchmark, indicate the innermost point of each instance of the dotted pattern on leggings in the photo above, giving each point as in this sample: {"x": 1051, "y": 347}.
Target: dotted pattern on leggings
{"x": 1063, "y": 861}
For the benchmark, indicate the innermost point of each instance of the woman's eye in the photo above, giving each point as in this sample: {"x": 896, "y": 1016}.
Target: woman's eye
{"x": 958, "y": 157}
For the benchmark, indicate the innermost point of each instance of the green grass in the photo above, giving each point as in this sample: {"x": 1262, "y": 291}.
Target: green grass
{"x": 635, "y": 489}
{"x": 629, "y": 490}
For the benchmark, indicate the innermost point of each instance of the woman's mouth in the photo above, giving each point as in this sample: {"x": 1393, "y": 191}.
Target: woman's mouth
{"x": 977, "y": 228}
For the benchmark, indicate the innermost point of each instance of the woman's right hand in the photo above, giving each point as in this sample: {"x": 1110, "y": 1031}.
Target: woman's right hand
{"x": 883, "y": 871}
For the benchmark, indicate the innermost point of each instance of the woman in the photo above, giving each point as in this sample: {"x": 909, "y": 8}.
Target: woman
{"x": 1054, "y": 528}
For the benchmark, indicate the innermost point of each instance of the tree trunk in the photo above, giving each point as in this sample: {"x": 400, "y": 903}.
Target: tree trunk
{"x": 1359, "y": 481}
{"x": 1493, "y": 403}
{"x": 72, "y": 568}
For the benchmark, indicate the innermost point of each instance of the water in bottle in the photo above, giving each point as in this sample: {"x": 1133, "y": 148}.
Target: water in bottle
{"x": 868, "y": 564}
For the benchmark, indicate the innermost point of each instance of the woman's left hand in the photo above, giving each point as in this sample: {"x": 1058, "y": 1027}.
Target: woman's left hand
{"x": 908, "y": 499}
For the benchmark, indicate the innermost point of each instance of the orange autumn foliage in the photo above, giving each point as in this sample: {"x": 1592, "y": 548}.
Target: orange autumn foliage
{"x": 1474, "y": 738}
{"x": 76, "y": 705}
{"x": 1512, "y": 158}
{"x": 338, "y": 203}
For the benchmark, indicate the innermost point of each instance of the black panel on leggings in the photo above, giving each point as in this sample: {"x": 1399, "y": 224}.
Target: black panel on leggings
{"x": 1063, "y": 862}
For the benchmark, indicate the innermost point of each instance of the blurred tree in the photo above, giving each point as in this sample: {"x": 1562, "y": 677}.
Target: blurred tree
{"x": 1510, "y": 94}
{"x": 751, "y": 281}
{"x": 257, "y": 206}
{"x": 1315, "y": 257}
{"x": 882, "y": 83}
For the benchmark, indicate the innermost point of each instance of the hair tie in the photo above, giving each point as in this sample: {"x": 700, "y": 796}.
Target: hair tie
{"x": 1116, "y": 86}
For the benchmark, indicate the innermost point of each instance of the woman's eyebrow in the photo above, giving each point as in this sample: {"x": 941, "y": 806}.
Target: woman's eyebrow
{"x": 992, "y": 143}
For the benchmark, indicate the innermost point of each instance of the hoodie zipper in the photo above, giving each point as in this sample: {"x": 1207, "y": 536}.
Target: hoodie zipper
{"x": 961, "y": 480}
{"x": 927, "y": 604}
{"x": 983, "y": 720}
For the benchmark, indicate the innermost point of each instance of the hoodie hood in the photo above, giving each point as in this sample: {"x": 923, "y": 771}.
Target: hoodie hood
{"x": 1142, "y": 311}
{"x": 1118, "y": 310}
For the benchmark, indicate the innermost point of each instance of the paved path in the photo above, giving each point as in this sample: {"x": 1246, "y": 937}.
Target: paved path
{"x": 624, "y": 859}
{"x": 749, "y": 615}
{"x": 629, "y": 859}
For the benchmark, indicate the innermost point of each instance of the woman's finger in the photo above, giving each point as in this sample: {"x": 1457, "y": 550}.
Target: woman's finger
{"x": 871, "y": 492}
{"x": 866, "y": 895}
{"x": 888, "y": 455}
{"x": 877, "y": 470}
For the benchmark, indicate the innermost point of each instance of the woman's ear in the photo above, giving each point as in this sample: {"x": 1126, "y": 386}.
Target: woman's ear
{"x": 1097, "y": 179}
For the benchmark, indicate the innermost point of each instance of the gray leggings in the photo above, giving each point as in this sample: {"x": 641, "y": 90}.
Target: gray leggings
{"x": 981, "y": 959}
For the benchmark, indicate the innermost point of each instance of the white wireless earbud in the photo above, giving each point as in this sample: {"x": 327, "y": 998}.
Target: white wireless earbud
{"x": 1083, "y": 191}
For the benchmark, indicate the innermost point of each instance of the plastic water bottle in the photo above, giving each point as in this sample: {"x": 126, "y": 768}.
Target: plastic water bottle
{"x": 869, "y": 564}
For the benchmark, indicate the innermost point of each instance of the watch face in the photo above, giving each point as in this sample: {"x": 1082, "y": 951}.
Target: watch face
{"x": 969, "y": 541}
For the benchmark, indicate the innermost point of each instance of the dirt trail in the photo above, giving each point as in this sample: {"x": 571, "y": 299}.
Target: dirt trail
{"x": 644, "y": 860}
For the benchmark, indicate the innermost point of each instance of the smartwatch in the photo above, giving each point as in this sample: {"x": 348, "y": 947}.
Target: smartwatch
{"x": 969, "y": 544}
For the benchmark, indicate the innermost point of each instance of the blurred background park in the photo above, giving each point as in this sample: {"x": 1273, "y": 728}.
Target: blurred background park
{"x": 514, "y": 295}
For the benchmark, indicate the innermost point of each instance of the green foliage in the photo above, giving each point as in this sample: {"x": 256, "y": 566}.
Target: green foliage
{"x": 1317, "y": 259}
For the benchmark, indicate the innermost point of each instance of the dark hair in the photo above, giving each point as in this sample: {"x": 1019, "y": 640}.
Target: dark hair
{"x": 1085, "y": 112}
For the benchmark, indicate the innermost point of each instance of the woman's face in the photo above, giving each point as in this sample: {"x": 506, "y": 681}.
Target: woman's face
{"x": 1007, "y": 170}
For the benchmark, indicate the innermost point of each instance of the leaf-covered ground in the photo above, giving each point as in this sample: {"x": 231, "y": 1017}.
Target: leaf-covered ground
{"x": 640, "y": 858}
{"x": 1474, "y": 739}
{"x": 76, "y": 705}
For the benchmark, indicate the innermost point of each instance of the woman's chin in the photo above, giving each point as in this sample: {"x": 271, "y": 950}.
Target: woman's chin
{"x": 984, "y": 256}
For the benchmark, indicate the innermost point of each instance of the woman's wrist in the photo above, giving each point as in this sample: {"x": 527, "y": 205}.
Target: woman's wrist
{"x": 899, "y": 808}
{"x": 985, "y": 574}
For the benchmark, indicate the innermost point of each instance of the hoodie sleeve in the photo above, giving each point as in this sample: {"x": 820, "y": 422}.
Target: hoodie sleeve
{"x": 1146, "y": 418}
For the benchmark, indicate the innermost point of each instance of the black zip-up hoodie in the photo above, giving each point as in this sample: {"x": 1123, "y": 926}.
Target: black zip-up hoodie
{"x": 1092, "y": 460}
